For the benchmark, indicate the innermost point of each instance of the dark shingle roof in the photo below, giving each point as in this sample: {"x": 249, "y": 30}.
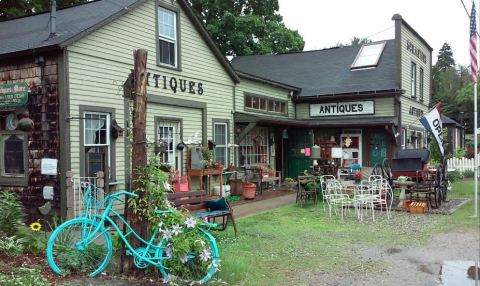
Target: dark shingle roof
{"x": 33, "y": 32}
{"x": 323, "y": 72}
{"x": 448, "y": 120}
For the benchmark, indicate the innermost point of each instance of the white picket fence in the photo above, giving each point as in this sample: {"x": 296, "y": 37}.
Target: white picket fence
{"x": 462, "y": 164}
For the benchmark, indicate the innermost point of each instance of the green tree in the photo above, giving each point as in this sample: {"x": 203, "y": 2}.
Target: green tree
{"x": 247, "y": 27}
{"x": 16, "y": 8}
{"x": 445, "y": 58}
{"x": 354, "y": 42}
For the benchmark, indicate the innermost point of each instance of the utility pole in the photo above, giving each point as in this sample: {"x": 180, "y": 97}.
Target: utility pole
{"x": 139, "y": 144}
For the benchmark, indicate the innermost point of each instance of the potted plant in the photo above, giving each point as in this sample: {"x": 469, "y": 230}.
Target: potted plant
{"x": 249, "y": 189}
{"x": 357, "y": 176}
{"x": 290, "y": 182}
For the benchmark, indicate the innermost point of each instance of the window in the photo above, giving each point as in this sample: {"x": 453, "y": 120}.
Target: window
{"x": 266, "y": 104}
{"x": 368, "y": 55}
{"x": 96, "y": 143}
{"x": 421, "y": 84}
{"x": 13, "y": 165}
{"x": 168, "y": 136}
{"x": 404, "y": 138}
{"x": 167, "y": 32}
{"x": 413, "y": 80}
{"x": 220, "y": 135}
{"x": 253, "y": 148}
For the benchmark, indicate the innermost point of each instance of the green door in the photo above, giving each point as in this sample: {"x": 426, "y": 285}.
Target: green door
{"x": 296, "y": 161}
{"x": 378, "y": 148}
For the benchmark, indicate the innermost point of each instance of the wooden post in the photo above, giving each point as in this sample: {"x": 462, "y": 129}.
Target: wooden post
{"x": 139, "y": 149}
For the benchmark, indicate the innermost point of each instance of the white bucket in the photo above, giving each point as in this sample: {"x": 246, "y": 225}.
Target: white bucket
{"x": 226, "y": 190}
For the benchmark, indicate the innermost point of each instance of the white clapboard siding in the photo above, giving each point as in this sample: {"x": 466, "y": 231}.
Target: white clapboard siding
{"x": 461, "y": 164}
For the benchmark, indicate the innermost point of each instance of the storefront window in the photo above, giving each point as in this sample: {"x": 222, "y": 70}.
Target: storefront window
{"x": 220, "y": 136}
{"x": 421, "y": 84}
{"x": 266, "y": 104}
{"x": 413, "y": 80}
{"x": 253, "y": 148}
{"x": 167, "y": 139}
{"x": 167, "y": 29}
{"x": 96, "y": 143}
{"x": 13, "y": 147}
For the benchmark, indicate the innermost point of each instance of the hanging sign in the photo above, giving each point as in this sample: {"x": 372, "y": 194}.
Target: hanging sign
{"x": 342, "y": 108}
{"x": 13, "y": 95}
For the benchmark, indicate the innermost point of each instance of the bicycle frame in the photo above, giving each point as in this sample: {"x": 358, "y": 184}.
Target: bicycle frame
{"x": 100, "y": 221}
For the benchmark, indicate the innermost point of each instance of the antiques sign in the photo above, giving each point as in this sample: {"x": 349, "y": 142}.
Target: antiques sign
{"x": 174, "y": 84}
{"x": 342, "y": 108}
{"x": 13, "y": 95}
{"x": 416, "y": 51}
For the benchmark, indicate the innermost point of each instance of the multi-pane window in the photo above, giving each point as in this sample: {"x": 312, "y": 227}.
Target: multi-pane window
{"x": 253, "y": 148}
{"x": 96, "y": 143}
{"x": 167, "y": 30}
{"x": 368, "y": 55}
{"x": 421, "y": 84}
{"x": 266, "y": 104}
{"x": 404, "y": 138}
{"x": 167, "y": 140}
{"x": 13, "y": 152}
{"x": 413, "y": 80}
{"x": 220, "y": 135}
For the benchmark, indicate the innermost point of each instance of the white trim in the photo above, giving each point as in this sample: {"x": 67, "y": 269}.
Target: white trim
{"x": 225, "y": 163}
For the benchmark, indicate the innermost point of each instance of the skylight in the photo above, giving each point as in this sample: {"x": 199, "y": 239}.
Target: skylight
{"x": 368, "y": 55}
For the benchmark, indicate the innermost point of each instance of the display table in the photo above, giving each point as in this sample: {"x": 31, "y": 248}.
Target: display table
{"x": 205, "y": 172}
{"x": 403, "y": 185}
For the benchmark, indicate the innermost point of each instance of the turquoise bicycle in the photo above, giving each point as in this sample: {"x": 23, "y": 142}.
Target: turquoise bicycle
{"x": 84, "y": 243}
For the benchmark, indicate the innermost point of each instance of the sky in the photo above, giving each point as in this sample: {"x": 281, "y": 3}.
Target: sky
{"x": 323, "y": 24}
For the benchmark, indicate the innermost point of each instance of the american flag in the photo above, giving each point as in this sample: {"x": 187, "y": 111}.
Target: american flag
{"x": 473, "y": 45}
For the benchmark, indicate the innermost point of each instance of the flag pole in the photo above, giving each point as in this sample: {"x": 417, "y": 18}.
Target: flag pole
{"x": 475, "y": 134}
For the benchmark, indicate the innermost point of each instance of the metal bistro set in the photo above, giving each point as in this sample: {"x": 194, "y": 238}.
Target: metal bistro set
{"x": 410, "y": 174}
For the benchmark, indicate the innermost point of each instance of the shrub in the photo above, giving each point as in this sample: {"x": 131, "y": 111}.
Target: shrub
{"x": 33, "y": 241}
{"x": 11, "y": 245}
{"x": 468, "y": 174}
{"x": 11, "y": 213}
{"x": 23, "y": 276}
{"x": 454, "y": 176}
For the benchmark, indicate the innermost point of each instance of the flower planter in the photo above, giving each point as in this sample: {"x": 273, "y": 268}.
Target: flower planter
{"x": 249, "y": 190}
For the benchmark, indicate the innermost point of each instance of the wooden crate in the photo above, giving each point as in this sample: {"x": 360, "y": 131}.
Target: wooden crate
{"x": 418, "y": 207}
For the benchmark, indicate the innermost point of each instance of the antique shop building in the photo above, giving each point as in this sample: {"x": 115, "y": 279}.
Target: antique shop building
{"x": 65, "y": 105}
{"x": 366, "y": 99}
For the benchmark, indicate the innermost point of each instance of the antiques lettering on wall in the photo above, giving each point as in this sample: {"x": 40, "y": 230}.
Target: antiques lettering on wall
{"x": 174, "y": 84}
{"x": 342, "y": 108}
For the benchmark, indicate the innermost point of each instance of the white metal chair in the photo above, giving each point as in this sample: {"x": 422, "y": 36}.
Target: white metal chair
{"x": 382, "y": 195}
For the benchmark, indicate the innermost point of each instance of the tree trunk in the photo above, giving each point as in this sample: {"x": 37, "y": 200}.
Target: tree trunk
{"x": 139, "y": 149}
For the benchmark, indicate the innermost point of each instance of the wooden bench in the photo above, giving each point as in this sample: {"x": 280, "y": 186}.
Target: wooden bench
{"x": 260, "y": 175}
{"x": 197, "y": 203}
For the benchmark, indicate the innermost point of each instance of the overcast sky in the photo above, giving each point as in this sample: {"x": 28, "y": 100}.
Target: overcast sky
{"x": 322, "y": 24}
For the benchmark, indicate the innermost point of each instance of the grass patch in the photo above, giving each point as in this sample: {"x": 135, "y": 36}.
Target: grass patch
{"x": 275, "y": 247}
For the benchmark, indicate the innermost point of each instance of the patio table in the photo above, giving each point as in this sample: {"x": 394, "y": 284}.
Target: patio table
{"x": 403, "y": 185}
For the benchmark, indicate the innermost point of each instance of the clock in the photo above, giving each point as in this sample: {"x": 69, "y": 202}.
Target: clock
{"x": 11, "y": 122}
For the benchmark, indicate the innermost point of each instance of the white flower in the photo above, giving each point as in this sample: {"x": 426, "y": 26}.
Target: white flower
{"x": 160, "y": 224}
{"x": 167, "y": 234}
{"x": 190, "y": 222}
{"x": 205, "y": 255}
{"x": 184, "y": 258}
{"x": 167, "y": 186}
{"x": 167, "y": 279}
{"x": 176, "y": 229}
{"x": 168, "y": 252}
{"x": 205, "y": 219}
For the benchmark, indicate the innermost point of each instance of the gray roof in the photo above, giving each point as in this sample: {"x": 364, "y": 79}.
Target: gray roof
{"x": 323, "y": 72}
{"x": 33, "y": 32}
{"x": 448, "y": 120}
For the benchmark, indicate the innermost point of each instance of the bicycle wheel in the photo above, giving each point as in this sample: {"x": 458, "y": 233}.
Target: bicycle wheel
{"x": 73, "y": 247}
{"x": 195, "y": 267}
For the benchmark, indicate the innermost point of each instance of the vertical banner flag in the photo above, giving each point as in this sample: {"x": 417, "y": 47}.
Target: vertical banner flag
{"x": 433, "y": 123}
{"x": 473, "y": 45}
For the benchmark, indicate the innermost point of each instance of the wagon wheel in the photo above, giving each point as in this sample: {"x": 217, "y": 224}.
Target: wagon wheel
{"x": 437, "y": 198}
{"x": 442, "y": 183}
{"x": 378, "y": 170}
{"x": 388, "y": 170}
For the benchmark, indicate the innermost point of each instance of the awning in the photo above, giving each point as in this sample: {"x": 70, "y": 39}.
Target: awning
{"x": 346, "y": 121}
